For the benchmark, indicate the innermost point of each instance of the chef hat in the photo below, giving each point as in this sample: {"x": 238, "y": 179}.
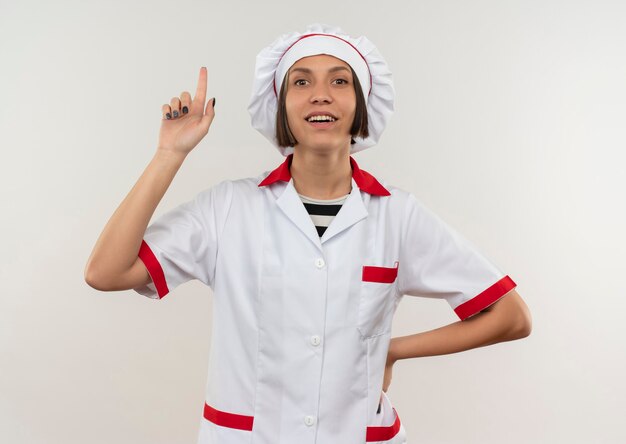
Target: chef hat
{"x": 275, "y": 60}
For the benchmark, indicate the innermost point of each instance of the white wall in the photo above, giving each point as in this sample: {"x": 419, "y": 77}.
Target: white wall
{"x": 509, "y": 124}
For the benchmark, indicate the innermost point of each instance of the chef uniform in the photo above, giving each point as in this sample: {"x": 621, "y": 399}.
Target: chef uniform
{"x": 302, "y": 323}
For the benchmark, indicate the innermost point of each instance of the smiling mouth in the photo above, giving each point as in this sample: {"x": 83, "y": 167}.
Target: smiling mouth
{"x": 320, "y": 118}
{"x": 321, "y": 121}
{"x": 321, "y": 124}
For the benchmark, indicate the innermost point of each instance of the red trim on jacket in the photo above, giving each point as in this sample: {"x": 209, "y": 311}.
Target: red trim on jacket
{"x": 225, "y": 419}
{"x": 244, "y": 422}
{"x": 485, "y": 299}
{"x": 364, "y": 180}
{"x": 154, "y": 269}
{"x": 386, "y": 275}
{"x": 384, "y": 433}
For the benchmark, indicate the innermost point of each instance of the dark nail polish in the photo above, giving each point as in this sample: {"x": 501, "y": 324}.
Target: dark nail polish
{"x": 213, "y": 102}
{"x": 168, "y": 116}
{"x": 185, "y": 110}
{"x": 175, "y": 113}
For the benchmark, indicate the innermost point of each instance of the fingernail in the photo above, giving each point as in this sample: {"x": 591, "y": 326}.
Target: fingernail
{"x": 168, "y": 116}
{"x": 175, "y": 113}
{"x": 185, "y": 110}
{"x": 213, "y": 102}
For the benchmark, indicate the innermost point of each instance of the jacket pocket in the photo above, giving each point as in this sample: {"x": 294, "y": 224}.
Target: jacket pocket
{"x": 228, "y": 419}
{"x": 376, "y": 299}
{"x": 388, "y": 428}
{"x": 386, "y": 275}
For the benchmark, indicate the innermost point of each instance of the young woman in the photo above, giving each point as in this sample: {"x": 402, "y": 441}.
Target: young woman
{"x": 307, "y": 262}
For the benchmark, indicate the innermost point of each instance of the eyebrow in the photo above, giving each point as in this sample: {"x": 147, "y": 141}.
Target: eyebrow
{"x": 333, "y": 69}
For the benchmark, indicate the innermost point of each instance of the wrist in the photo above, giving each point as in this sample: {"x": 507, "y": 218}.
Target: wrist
{"x": 170, "y": 156}
{"x": 392, "y": 354}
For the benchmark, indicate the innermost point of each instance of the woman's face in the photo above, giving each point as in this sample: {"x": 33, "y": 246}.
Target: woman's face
{"x": 321, "y": 84}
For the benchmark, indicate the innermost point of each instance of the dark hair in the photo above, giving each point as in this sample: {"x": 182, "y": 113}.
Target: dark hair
{"x": 359, "y": 124}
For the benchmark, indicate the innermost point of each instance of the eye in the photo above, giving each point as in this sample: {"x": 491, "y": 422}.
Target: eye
{"x": 344, "y": 81}
{"x": 299, "y": 80}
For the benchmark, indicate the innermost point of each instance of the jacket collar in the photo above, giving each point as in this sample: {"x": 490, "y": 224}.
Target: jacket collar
{"x": 364, "y": 180}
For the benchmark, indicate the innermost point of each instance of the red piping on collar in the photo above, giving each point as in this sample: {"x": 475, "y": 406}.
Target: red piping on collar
{"x": 364, "y": 180}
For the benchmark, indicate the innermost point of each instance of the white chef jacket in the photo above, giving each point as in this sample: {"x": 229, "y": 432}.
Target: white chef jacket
{"x": 302, "y": 324}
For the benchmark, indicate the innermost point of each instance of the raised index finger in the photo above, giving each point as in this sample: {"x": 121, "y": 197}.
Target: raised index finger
{"x": 201, "y": 89}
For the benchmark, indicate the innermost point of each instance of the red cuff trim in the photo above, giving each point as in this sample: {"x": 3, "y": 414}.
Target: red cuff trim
{"x": 154, "y": 269}
{"x": 385, "y": 433}
{"x": 225, "y": 419}
{"x": 485, "y": 299}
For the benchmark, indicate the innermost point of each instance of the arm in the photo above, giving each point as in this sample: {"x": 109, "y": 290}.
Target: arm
{"x": 507, "y": 319}
{"x": 113, "y": 263}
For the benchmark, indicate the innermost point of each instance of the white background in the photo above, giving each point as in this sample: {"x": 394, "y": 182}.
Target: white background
{"x": 509, "y": 124}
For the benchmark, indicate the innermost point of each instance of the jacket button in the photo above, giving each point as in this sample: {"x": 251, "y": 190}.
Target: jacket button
{"x": 315, "y": 340}
{"x": 309, "y": 420}
{"x": 319, "y": 262}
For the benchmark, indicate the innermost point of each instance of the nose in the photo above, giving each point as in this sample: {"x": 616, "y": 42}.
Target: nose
{"x": 321, "y": 94}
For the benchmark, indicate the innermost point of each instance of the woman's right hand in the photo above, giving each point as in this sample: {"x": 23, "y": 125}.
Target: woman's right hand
{"x": 181, "y": 133}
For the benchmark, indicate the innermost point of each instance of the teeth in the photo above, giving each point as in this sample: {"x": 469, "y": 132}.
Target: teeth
{"x": 320, "y": 118}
